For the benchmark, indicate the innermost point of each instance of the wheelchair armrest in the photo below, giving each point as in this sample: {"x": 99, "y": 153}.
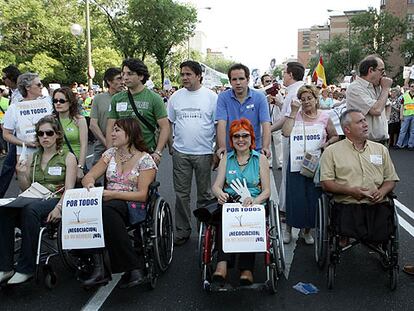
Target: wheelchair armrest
{"x": 154, "y": 185}
{"x": 391, "y": 195}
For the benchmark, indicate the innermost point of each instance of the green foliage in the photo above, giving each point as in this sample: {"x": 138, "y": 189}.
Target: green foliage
{"x": 6, "y": 58}
{"x": 219, "y": 63}
{"x": 278, "y": 72}
{"x": 407, "y": 51}
{"x": 48, "y": 68}
{"x": 104, "y": 58}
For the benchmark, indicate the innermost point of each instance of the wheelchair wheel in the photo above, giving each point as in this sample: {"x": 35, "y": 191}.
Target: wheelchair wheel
{"x": 393, "y": 277}
{"x": 200, "y": 242}
{"x": 68, "y": 258}
{"x": 273, "y": 279}
{"x": 321, "y": 231}
{"x": 275, "y": 234}
{"x": 163, "y": 232}
{"x": 50, "y": 277}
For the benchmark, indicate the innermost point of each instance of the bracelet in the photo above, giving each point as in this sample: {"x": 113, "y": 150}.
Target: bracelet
{"x": 158, "y": 152}
{"x": 59, "y": 205}
{"x": 290, "y": 117}
{"x": 81, "y": 167}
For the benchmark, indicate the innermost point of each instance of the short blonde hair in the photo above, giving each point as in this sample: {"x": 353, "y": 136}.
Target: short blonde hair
{"x": 310, "y": 89}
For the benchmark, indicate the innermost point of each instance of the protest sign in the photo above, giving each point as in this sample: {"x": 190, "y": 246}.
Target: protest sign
{"x": 28, "y": 113}
{"x": 314, "y": 136}
{"x": 244, "y": 228}
{"x": 82, "y": 219}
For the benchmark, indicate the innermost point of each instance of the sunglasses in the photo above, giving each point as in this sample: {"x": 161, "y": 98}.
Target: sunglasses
{"x": 42, "y": 133}
{"x": 268, "y": 81}
{"x": 237, "y": 136}
{"x": 60, "y": 101}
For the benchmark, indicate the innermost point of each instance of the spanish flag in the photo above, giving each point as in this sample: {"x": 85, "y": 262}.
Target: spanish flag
{"x": 319, "y": 74}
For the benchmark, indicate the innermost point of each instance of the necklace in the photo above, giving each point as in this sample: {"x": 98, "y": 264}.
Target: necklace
{"x": 245, "y": 163}
{"x": 310, "y": 117}
{"x": 124, "y": 157}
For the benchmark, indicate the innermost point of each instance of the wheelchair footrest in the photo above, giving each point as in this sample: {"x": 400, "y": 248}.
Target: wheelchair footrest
{"x": 229, "y": 288}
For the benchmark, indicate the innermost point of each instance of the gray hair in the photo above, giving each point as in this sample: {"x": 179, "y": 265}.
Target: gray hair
{"x": 24, "y": 81}
{"x": 345, "y": 118}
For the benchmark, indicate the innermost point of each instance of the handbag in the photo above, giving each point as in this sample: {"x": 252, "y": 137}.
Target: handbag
{"x": 137, "y": 212}
{"x": 310, "y": 161}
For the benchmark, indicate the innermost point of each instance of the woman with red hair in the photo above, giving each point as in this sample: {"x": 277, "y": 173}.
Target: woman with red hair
{"x": 243, "y": 162}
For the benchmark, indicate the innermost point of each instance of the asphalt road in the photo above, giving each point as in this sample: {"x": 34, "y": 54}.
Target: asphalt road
{"x": 360, "y": 284}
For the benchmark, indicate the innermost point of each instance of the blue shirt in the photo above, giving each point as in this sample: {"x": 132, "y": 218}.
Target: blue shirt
{"x": 254, "y": 108}
{"x": 251, "y": 173}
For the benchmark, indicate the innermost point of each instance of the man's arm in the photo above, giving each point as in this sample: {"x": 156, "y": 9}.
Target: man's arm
{"x": 109, "y": 126}
{"x": 379, "y": 105}
{"x": 97, "y": 131}
{"x": 358, "y": 193}
{"x": 278, "y": 124}
{"x": 221, "y": 137}
{"x": 266, "y": 139}
{"x": 164, "y": 126}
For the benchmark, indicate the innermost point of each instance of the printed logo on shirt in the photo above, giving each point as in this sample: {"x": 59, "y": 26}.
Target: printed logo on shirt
{"x": 142, "y": 105}
{"x": 189, "y": 113}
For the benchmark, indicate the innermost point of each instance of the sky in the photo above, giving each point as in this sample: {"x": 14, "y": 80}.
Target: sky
{"x": 254, "y": 32}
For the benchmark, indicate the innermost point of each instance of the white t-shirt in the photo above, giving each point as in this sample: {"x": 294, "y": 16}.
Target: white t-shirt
{"x": 22, "y": 117}
{"x": 193, "y": 114}
{"x": 291, "y": 94}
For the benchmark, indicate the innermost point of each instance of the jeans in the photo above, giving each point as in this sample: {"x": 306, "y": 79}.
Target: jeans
{"x": 7, "y": 171}
{"x": 407, "y": 128}
{"x": 29, "y": 219}
{"x": 183, "y": 167}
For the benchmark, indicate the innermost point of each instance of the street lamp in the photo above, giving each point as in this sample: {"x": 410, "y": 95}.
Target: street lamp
{"x": 188, "y": 40}
{"x": 349, "y": 35}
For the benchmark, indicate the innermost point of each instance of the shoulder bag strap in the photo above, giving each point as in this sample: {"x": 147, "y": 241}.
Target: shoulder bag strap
{"x": 139, "y": 116}
{"x": 34, "y": 168}
{"x": 304, "y": 134}
{"x": 2, "y": 110}
{"x": 67, "y": 142}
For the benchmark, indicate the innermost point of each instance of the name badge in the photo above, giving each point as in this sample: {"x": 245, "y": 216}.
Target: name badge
{"x": 123, "y": 106}
{"x": 376, "y": 159}
{"x": 55, "y": 171}
{"x": 250, "y": 106}
{"x": 112, "y": 165}
{"x": 232, "y": 172}
{"x": 69, "y": 129}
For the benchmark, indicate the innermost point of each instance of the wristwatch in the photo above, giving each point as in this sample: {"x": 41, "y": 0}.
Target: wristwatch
{"x": 158, "y": 152}
{"x": 81, "y": 167}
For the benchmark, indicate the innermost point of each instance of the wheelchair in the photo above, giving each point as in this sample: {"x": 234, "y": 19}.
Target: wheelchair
{"x": 328, "y": 249}
{"x": 152, "y": 239}
{"x": 274, "y": 258}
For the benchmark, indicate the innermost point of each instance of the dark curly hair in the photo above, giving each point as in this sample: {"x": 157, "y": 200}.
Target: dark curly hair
{"x": 133, "y": 132}
{"x": 71, "y": 98}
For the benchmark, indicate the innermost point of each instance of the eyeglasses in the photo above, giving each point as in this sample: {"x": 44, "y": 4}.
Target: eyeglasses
{"x": 42, "y": 133}
{"x": 268, "y": 81}
{"x": 380, "y": 69}
{"x": 238, "y": 136}
{"x": 4, "y": 78}
{"x": 40, "y": 84}
{"x": 60, "y": 101}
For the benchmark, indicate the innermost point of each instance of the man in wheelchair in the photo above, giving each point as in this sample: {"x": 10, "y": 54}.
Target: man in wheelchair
{"x": 360, "y": 175}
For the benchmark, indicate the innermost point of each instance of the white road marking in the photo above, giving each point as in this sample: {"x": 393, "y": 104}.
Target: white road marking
{"x": 97, "y": 300}
{"x": 403, "y": 223}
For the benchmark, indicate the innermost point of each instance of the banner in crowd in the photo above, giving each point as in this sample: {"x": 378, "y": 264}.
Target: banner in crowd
{"x": 313, "y": 135}
{"x": 244, "y": 228}
{"x": 212, "y": 78}
{"x": 28, "y": 113}
{"x": 82, "y": 219}
{"x": 408, "y": 72}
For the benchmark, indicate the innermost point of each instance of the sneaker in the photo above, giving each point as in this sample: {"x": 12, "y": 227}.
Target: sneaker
{"x": 287, "y": 237}
{"x": 5, "y": 275}
{"x": 308, "y": 238}
{"x": 19, "y": 278}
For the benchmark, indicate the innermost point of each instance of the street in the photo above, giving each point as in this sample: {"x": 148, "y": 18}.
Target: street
{"x": 360, "y": 282}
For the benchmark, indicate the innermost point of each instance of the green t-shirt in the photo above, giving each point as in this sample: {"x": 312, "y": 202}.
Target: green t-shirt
{"x": 4, "y": 104}
{"x": 149, "y": 104}
{"x": 72, "y": 134}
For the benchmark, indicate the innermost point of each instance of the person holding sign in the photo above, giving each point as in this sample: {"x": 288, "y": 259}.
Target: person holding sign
{"x": 310, "y": 130}
{"x": 75, "y": 129}
{"x": 54, "y": 169}
{"x": 21, "y": 117}
{"x": 242, "y": 163}
{"x": 129, "y": 170}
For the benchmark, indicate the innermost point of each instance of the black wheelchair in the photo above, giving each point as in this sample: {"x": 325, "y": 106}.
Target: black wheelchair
{"x": 274, "y": 258}
{"x": 152, "y": 239}
{"x": 328, "y": 248}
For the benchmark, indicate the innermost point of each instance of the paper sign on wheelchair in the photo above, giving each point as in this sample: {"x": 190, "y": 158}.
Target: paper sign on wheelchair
{"x": 244, "y": 228}
{"x": 82, "y": 219}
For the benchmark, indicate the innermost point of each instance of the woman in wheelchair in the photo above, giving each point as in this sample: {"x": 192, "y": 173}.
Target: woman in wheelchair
{"x": 242, "y": 163}
{"x": 56, "y": 170}
{"x": 129, "y": 171}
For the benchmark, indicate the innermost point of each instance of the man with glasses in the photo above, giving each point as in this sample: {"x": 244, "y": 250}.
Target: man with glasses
{"x": 369, "y": 93}
{"x": 242, "y": 102}
{"x": 141, "y": 103}
{"x": 100, "y": 107}
{"x": 191, "y": 111}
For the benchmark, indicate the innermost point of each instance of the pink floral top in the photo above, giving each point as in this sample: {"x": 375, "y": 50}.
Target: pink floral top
{"x": 126, "y": 181}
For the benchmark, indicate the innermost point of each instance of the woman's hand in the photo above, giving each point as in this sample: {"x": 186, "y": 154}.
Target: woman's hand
{"x": 248, "y": 202}
{"x": 31, "y": 144}
{"x": 223, "y": 197}
{"x": 89, "y": 186}
{"x": 108, "y": 195}
{"x": 295, "y": 105}
{"x": 55, "y": 215}
{"x": 79, "y": 173}
{"x": 21, "y": 167}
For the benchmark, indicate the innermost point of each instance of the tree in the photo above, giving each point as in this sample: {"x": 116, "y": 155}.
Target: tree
{"x": 161, "y": 25}
{"x": 104, "y": 58}
{"x": 407, "y": 50}
{"x": 48, "y": 68}
{"x": 219, "y": 63}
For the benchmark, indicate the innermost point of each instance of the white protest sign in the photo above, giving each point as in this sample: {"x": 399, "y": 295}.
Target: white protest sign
{"x": 314, "y": 136}
{"x": 244, "y": 228}
{"x": 28, "y": 113}
{"x": 82, "y": 219}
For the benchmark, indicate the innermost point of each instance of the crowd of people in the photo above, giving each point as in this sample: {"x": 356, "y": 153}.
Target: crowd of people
{"x": 231, "y": 128}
